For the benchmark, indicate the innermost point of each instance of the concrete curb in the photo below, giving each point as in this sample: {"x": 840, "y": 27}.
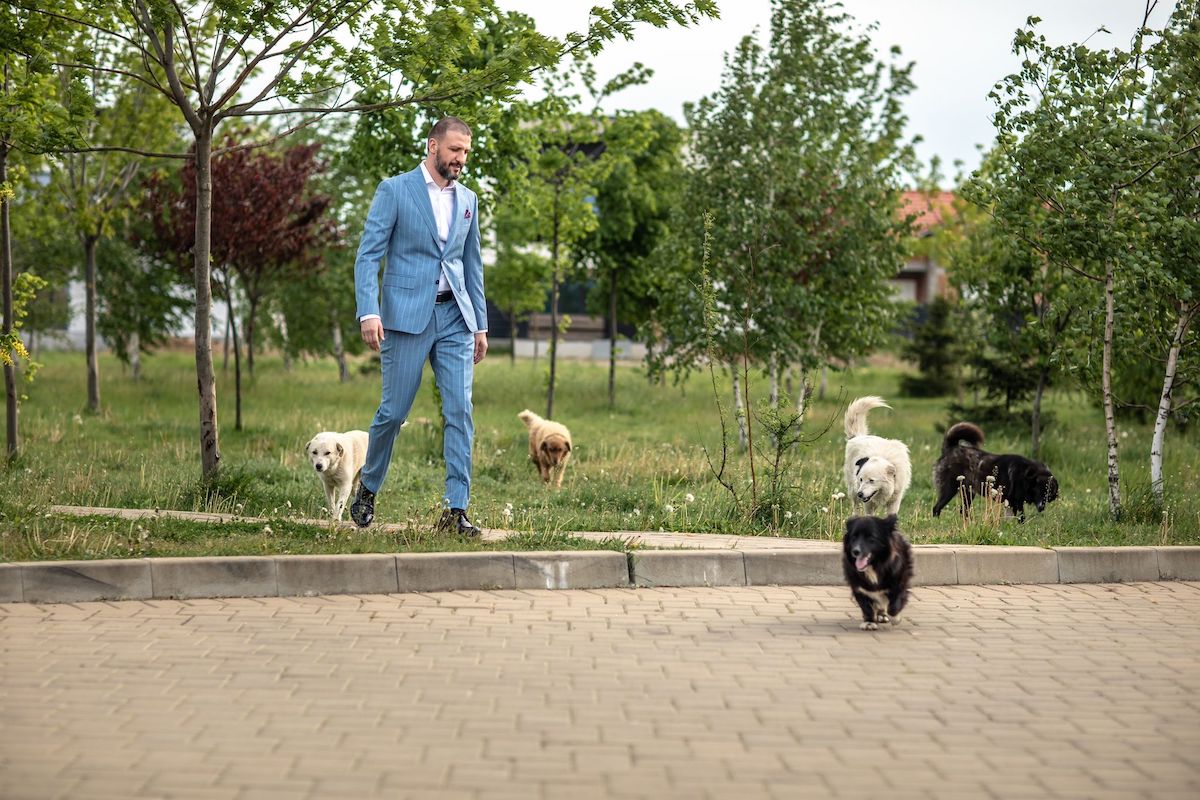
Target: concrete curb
{"x": 387, "y": 573}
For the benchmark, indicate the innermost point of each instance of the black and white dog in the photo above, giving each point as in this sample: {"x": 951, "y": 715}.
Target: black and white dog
{"x": 877, "y": 562}
{"x": 1017, "y": 479}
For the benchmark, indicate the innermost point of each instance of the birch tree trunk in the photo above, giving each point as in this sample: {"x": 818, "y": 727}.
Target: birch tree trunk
{"x": 1110, "y": 424}
{"x": 339, "y": 350}
{"x": 1164, "y": 403}
{"x": 739, "y": 408}
{"x": 89, "y": 335}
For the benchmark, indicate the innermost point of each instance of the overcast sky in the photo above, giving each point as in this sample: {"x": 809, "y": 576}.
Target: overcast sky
{"x": 961, "y": 48}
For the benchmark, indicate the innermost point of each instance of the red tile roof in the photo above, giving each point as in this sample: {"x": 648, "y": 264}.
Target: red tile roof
{"x": 930, "y": 207}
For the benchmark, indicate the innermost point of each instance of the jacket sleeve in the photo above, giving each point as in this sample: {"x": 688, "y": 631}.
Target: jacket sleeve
{"x": 473, "y": 269}
{"x": 377, "y": 232}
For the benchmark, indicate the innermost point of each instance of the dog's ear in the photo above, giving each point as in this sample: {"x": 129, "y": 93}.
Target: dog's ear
{"x": 341, "y": 450}
{"x": 891, "y": 470}
{"x": 544, "y": 446}
{"x": 568, "y": 444}
{"x": 858, "y": 465}
{"x": 892, "y": 521}
{"x": 308, "y": 445}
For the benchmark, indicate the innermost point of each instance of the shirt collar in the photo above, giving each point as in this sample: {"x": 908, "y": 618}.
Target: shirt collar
{"x": 429, "y": 178}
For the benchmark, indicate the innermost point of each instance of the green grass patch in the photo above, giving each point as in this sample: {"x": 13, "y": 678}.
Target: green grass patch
{"x": 638, "y": 467}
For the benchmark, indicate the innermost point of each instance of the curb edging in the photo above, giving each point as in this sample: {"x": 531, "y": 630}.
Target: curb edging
{"x": 388, "y": 573}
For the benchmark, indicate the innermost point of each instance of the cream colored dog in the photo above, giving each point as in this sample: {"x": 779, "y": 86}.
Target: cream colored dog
{"x": 549, "y": 446}
{"x": 338, "y": 459}
{"x": 878, "y": 471}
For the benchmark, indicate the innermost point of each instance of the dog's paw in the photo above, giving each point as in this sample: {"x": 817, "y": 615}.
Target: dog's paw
{"x": 868, "y": 626}
{"x": 882, "y": 617}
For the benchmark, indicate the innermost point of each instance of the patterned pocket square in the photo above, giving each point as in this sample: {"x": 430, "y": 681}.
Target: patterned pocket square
{"x": 467, "y": 215}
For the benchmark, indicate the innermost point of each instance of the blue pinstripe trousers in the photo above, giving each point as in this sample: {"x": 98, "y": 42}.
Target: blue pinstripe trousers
{"x": 449, "y": 346}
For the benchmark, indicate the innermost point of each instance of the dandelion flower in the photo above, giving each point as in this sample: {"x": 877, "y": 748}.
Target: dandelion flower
{"x": 267, "y": 529}
{"x": 991, "y": 478}
{"x": 637, "y": 512}
{"x": 824, "y": 509}
{"x": 787, "y": 515}
{"x": 689, "y": 497}
{"x": 670, "y": 509}
{"x": 961, "y": 478}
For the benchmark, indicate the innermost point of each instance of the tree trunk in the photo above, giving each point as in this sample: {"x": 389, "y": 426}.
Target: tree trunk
{"x": 1164, "y": 403}
{"x": 281, "y": 325}
{"x": 248, "y": 329}
{"x": 739, "y": 408}
{"x": 1110, "y": 423}
{"x": 89, "y": 336}
{"x": 774, "y": 371}
{"x": 612, "y": 340}
{"x": 824, "y": 382}
{"x": 339, "y": 350}
{"x": 1036, "y": 414}
{"x": 133, "y": 351}
{"x": 553, "y": 315}
{"x": 512, "y": 337}
{"x": 225, "y": 348}
{"x": 237, "y": 362}
{"x": 206, "y": 379}
{"x": 6, "y": 267}
{"x": 802, "y": 393}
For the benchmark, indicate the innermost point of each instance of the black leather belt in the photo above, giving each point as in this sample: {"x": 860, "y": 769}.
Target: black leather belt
{"x": 444, "y": 297}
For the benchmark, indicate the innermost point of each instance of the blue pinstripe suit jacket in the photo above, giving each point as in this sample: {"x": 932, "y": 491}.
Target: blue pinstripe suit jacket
{"x": 400, "y": 229}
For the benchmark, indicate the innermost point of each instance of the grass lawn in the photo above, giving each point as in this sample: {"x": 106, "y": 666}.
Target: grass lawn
{"x": 640, "y": 466}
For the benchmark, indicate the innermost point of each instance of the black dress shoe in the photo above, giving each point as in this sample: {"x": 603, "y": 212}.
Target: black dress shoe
{"x": 362, "y": 510}
{"x": 454, "y": 520}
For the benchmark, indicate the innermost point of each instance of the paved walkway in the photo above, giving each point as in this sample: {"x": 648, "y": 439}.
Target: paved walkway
{"x": 1082, "y": 691}
{"x": 647, "y": 539}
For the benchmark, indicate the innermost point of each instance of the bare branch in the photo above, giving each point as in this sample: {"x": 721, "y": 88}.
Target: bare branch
{"x": 166, "y": 57}
{"x": 248, "y": 70}
{"x": 284, "y": 69}
{"x": 114, "y": 71}
{"x": 187, "y": 32}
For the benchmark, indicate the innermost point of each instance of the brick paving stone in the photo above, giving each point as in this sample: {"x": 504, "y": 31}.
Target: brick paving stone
{"x": 981, "y": 691}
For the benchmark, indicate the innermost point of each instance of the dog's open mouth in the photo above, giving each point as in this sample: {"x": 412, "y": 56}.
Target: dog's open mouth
{"x": 862, "y": 562}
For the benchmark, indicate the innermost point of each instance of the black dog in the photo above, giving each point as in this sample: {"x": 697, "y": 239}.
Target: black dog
{"x": 1018, "y": 479}
{"x": 877, "y": 562}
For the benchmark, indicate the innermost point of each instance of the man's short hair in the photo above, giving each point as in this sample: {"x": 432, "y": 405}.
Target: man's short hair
{"x": 447, "y": 124}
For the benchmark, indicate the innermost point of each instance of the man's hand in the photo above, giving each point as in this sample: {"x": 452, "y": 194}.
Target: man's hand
{"x": 480, "y": 346}
{"x": 372, "y": 333}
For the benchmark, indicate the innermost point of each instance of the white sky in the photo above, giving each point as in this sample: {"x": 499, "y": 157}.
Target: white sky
{"x": 961, "y": 48}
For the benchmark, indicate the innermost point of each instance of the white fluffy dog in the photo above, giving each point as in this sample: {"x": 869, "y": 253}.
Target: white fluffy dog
{"x": 338, "y": 459}
{"x": 549, "y": 446}
{"x": 877, "y": 470}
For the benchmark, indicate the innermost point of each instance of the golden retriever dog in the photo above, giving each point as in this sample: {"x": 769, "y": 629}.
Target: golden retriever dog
{"x": 549, "y": 446}
{"x": 877, "y": 470}
{"x": 338, "y": 459}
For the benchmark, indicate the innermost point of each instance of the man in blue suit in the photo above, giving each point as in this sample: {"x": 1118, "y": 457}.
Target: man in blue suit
{"x": 425, "y": 225}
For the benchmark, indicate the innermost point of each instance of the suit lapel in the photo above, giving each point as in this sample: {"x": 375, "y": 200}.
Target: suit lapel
{"x": 420, "y": 195}
{"x": 458, "y": 224}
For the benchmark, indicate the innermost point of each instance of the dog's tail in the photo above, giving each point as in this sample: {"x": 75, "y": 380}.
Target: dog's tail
{"x": 856, "y": 415}
{"x": 962, "y": 433}
{"x": 529, "y": 418}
